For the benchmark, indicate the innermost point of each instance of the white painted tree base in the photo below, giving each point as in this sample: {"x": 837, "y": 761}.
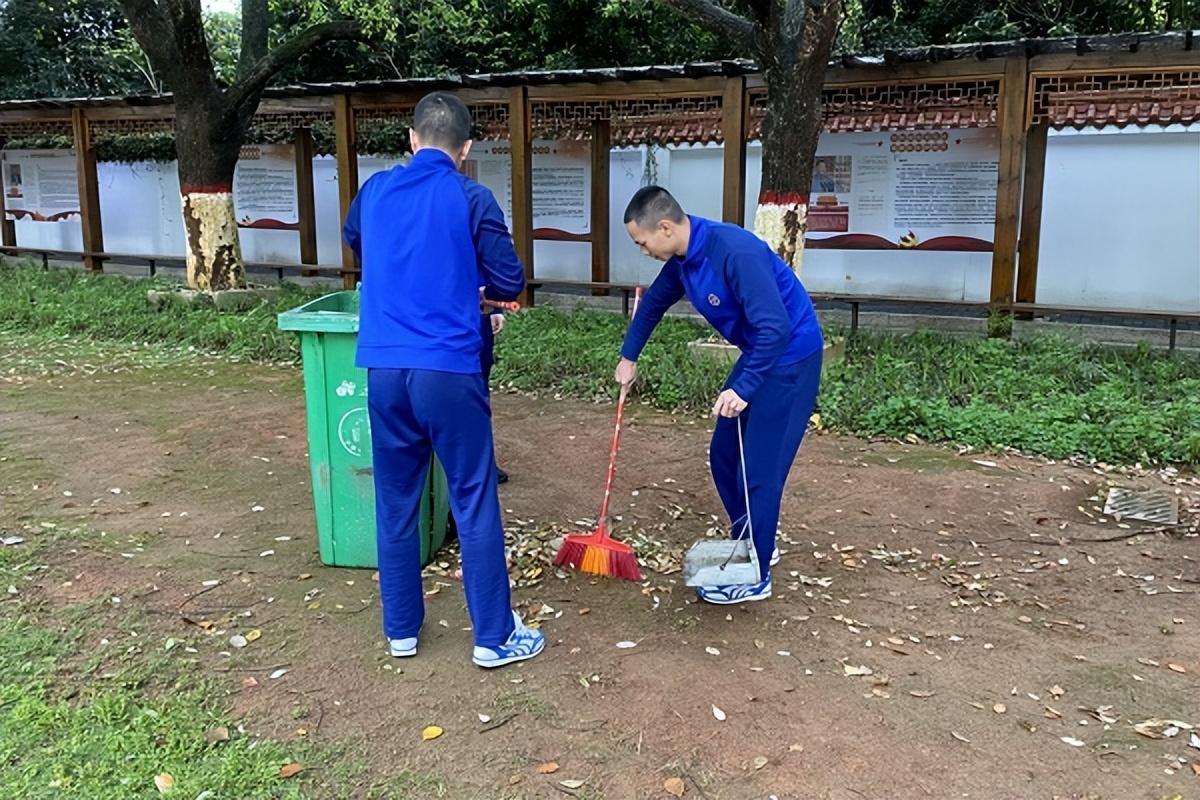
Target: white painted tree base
{"x": 212, "y": 233}
{"x": 783, "y": 226}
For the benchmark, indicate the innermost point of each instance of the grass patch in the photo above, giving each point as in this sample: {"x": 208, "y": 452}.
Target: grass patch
{"x": 70, "y": 727}
{"x": 575, "y": 353}
{"x": 70, "y": 302}
{"x": 1047, "y": 396}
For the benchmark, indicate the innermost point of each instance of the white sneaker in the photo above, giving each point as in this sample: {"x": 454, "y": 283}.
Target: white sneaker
{"x": 735, "y": 593}
{"x": 775, "y": 556}
{"x": 403, "y": 648}
{"x": 523, "y": 643}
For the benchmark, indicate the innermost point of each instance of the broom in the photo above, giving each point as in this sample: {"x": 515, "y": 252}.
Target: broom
{"x": 598, "y": 553}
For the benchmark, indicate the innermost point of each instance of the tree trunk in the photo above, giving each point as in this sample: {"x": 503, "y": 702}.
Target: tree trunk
{"x": 207, "y": 142}
{"x": 795, "y": 74}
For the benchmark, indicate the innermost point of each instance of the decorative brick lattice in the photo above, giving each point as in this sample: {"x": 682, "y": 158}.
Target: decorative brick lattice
{"x": 634, "y": 121}
{"x": 920, "y": 105}
{"x": 1120, "y": 98}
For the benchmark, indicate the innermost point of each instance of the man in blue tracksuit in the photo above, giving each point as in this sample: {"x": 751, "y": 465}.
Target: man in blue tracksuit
{"x": 428, "y": 238}
{"x": 745, "y": 291}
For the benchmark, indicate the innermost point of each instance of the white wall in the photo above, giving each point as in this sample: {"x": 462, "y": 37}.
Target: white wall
{"x": 1121, "y": 219}
{"x": 1120, "y": 224}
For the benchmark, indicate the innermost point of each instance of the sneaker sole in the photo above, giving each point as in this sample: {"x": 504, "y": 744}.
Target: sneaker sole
{"x": 402, "y": 653}
{"x": 500, "y": 662}
{"x": 750, "y": 598}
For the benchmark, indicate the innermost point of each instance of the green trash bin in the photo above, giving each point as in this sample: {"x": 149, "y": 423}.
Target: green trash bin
{"x": 339, "y": 438}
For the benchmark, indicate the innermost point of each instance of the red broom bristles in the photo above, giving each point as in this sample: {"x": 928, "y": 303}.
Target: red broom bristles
{"x": 597, "y": 553}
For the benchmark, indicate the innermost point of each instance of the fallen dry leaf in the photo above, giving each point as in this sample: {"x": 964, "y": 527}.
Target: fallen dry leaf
{"x": 1177, "y": 668}
{"x": 431, "y": 732}
{"x": 674, "y": 786}
{"x": 1196, "y": 768}
{"x": 1057, "y": 690}
{"x": 215, "y": 735}
{"x": 712, "y": 651}
{"x": 1000, "y": 708}
{"x": 852, "y": 671}
{"x": 290, "y": 770}
{"x": 164, "y": 782}
{"x": 253, "y": 635}
{"x": 549, "y": 768}
{"x": 921, "y": 693}
{"x": 571, "y": 784}
{"x": 249, "y": 683}
{"x": 718, "y": 713}
{"x": 760, "y": 762}
{"x": 1053, "y": 713}
{"x": 960, "y": 737}
{"x": 1071, "y": 740}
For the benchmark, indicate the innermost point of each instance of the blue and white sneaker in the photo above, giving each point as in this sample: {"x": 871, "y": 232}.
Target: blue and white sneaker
{"x": 522, "y": 644}
{"x": 735, "y": 593}
{"x": 775, "y": 556}
{"x": 403, "y": 648}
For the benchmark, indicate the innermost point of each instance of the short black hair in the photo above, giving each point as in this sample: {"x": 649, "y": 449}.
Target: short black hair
{"x": 442, "y": 120}
{"x": 650, "y": 205}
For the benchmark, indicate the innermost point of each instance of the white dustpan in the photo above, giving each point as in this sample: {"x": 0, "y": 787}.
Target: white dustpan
{"x": 723, "y": 562}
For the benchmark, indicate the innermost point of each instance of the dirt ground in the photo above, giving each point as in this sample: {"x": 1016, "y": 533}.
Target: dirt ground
{"x": 944, "y": 625}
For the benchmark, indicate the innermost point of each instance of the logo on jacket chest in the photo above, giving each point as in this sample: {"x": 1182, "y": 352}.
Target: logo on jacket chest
{"x": 713, "y": 300}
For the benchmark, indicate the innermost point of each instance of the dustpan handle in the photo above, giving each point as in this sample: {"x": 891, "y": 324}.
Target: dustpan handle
{"x": 749, "y": 526}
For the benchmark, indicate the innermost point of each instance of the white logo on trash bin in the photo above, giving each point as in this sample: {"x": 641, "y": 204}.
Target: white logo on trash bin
{"x": 346, "y": 389}
{"x": 354, "y": 431}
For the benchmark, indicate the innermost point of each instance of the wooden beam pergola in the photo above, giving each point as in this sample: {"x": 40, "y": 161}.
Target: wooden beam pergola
{"x": 1011, "y": 125}
{"x": 599, "y": 228}
{"x": 1034, "y": 183}
{"x": 347, "y": 173}
{"x": 306, "y": 204}
{"x": 733, "y": 132}
{"x": 520, "y": 137}
{"x": 89, "y": 190}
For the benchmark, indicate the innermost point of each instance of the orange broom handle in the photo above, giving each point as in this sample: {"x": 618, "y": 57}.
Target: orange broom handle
{"x": 502, "y": 305}
{"x": 616, "y": 440}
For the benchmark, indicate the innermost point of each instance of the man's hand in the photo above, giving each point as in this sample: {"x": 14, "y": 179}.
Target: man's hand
{"x": 626, "y": 372}
{"x": 729, "y": 404}
{"x": 497, "y": 323}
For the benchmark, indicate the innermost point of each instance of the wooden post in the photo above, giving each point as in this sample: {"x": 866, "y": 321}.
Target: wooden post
{"x": 733, "y": 130}
{"x": 1008, "y": 185}
{"x": 1031, "y": 212}
{"x": 520, "y": 135}
{"x": 89, "y": 191}
{"x": 306, "y": 199}
{"x": 8, "y": 229}
{"x": 601, "y": 148}
{"x": 347, "y": 172}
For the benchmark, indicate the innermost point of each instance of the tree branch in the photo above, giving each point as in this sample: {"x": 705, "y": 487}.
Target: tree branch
{"x": 792, "y": 24}
{"x": 256, "y": 25}
{"x": 250, "y": 84}
{"x": 191, "y": 45}
{"x": 719, "y": 20}
{"x": 761, "y": 9}
{"x": 153, "y": 33}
